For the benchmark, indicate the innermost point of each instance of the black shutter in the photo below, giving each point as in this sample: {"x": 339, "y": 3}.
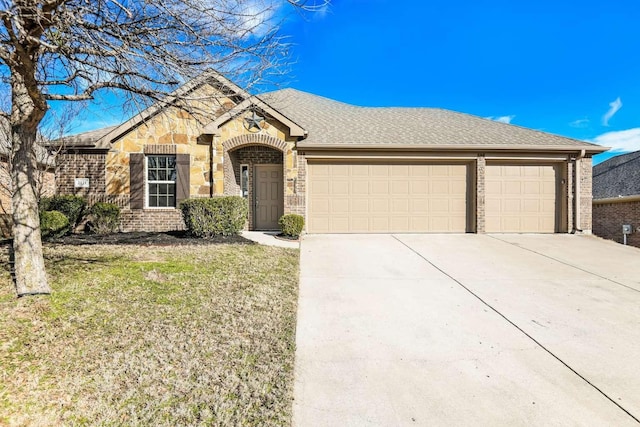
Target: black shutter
{"x": 136, "y": 175}
{"x": 183, "y": 173}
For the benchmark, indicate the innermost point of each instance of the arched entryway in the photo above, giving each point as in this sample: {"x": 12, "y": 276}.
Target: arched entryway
{"x": 254, "y": 169}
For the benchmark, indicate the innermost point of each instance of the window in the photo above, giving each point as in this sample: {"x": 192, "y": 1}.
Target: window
{"x": 244, "y": 180}
{"x": 161, "y": 181}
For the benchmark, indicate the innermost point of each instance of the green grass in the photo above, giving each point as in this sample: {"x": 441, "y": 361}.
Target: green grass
{"x": 132, "y": 335}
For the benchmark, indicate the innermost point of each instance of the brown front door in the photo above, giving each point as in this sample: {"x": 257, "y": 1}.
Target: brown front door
{"x": 269, "y": 200}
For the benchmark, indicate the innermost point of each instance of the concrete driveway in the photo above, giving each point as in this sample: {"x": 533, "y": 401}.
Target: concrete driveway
{"x": 398, "y": 330}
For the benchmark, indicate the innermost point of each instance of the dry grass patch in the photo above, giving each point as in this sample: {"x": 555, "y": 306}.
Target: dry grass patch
{"x": 186, "y": 335}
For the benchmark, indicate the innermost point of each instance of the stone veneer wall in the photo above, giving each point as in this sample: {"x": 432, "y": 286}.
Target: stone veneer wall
{"x": 609, "y": 216}
{"x": 263, "y": 148}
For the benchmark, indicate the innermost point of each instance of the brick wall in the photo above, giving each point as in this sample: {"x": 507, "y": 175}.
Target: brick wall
{"x": 586, "y": 195}
{"x": 295, "y": 203}
{"x": 80, "y": 165}
{"x": 481, "y": 166}
{"x": 155, "y": 220}
{"x": 610, "y": 215}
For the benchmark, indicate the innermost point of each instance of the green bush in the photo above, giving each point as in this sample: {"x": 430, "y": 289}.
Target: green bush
{"x": 219, "y": 216}
{"x": 291, "y": 225}
{"x": 104, "y": 218}
{"x": 53, "y": 224}
{"x": 73, "y": 207}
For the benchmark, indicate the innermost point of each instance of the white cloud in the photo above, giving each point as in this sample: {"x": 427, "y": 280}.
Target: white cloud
{"x": 613, "y": 109}
{"x": 622, "y": 141}
{"x": 502, "y": 119}
{"x": 580, "y": 123}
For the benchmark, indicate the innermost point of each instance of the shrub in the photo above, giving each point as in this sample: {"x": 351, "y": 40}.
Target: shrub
{"x": 105, "y": 218}
{"x": 73, "y": 207}
{"x": 53, "y": 224}
{"x": 291, "y": 225}
{"x": 219, "y": 216}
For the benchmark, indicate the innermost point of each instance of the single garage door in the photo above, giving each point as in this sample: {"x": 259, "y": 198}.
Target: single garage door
{"x": 521, "y": 198}
{"x": 387, "y": 198}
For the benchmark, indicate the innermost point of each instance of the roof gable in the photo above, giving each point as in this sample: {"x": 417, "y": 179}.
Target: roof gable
{"x": 102, "y": 138}
{"x": 213, "y": 128}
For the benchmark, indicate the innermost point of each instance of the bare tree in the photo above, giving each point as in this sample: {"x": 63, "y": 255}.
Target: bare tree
{"x": 66, "y": 50}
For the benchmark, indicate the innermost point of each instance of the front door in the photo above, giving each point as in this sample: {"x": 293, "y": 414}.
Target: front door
{"x": 269, "y": 200}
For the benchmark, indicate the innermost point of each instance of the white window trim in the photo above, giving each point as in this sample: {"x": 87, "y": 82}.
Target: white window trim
{"x": 243, "y": 165}
{"x": 147, "y": 182}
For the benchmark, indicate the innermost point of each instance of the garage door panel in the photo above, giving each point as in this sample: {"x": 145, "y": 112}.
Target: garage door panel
{"x": 320, "y": 206}
{"x": 521, "y": 198}
{"x": 380, "y": 224}
{"x": 381, "y": 206}
{"x": 531, "y": 207}
{"x": 400, "y": 206}
{"x": 360, "y": 224}
{"x": 378, "y": 170}
{"x": 419, "y": 187}
{"x": 359, "y": 188}
{"x": 339, "y": 206}
{"x": 400, "y": 187}
{"x": 360, "y": 206}
{"x": 416, "y": 171}
{"x": 339, "y": 188}
{"x": 399, "y": 171}
{"x": 360, "y": 171}
{"x": 388, "y": 198}
{"x": 379, "y": 187}
{"x": 532, "y": 187}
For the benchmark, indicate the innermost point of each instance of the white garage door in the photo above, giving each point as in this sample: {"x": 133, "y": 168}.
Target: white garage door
{"x": 521, "y": 198}
{"x": 384, "y": 198}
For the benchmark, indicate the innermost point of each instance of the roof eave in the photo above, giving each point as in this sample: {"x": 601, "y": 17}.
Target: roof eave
{"x": 588, "y": 149}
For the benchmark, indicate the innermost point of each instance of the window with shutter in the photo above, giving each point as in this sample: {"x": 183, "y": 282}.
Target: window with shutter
{"x": 158, "y": 181}
{"x": 161, "y": 181}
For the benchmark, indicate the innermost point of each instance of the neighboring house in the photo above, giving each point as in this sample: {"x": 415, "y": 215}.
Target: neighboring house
{"x": 347, "y": 169}
{"x": 616, "y": 197}
{"x": 45, "y": 178}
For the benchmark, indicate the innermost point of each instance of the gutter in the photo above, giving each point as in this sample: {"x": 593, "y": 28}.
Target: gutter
{"x": 619, "y": 199}
{"x": 585, "y": 149}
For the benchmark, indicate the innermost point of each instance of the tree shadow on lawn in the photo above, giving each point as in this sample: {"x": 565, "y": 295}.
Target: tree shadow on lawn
{"x": 170, "y": 238}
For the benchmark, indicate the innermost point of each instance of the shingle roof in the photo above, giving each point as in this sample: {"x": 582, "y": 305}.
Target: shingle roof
{"x": 84, "y": 139}
{"x": 618, "y": 176}
{"x": 335, "y": 123}
{"x": 42, "y": 155}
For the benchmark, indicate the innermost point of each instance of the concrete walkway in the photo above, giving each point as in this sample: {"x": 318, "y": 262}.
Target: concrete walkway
{"x": 269, "y": 238}
{"x": 467, "y": 330}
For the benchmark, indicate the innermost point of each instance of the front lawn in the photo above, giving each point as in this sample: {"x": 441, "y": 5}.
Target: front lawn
{"x": 150, "y": 335}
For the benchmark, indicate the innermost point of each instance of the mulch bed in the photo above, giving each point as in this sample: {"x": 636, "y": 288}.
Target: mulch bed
{"x": 170, "y": 238}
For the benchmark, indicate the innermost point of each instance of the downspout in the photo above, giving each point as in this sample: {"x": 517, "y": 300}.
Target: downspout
{"x": 576, "y": 198}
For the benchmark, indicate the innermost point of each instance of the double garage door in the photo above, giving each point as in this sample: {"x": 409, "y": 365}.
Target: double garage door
{"x": 350, "y": 197}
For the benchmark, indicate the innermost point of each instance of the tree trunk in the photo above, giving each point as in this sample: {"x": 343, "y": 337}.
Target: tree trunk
{"x": 30, "y": 274}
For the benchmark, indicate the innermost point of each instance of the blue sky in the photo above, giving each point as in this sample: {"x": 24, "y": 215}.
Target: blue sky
{"x": 567, "y": 67}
